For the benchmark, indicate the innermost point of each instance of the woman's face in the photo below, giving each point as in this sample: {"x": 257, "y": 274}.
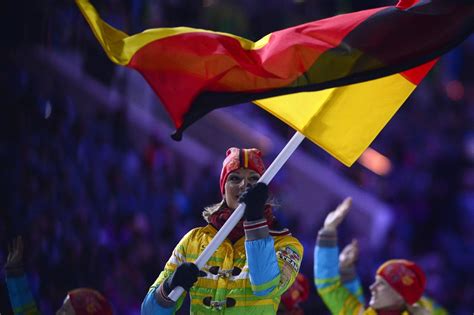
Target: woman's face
{"x": 236, "y": 183}
{"x": 383, "y": 296}
{"x": 66, "y": 308}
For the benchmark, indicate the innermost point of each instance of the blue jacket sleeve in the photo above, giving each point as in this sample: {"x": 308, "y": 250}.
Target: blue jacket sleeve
{"x": 273, "y": 263}
{"x": 337, "y": 297}
{"x": 351, "y": 281}
{"x": 264, "y": 272}
{"x": 151, "y": 307}
{"x": 21, "y": 298}
{"x": 355, "y": 287}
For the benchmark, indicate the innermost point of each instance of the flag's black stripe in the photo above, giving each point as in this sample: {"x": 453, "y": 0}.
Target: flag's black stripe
{"x": 411, "y": 38}
{"x": 391, "y": 37}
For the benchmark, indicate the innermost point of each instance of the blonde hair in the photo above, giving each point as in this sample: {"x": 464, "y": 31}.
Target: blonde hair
{"x": 209, "y": 210}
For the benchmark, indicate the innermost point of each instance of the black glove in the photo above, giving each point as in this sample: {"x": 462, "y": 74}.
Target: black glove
{"x": 185, "y": 276}
{"x": 255, "y": 198}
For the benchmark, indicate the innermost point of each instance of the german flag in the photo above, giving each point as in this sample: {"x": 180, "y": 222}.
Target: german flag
{"x": 337, "y": 80}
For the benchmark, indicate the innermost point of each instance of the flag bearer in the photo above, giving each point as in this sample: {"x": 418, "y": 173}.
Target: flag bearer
{"x": 252, "y": 268}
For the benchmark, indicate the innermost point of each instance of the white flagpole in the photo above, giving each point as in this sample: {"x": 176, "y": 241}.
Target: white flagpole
{"x": 239, "y": 212}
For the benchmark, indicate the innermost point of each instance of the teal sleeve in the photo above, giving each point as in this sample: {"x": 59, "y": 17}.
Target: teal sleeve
{"x": 263, "y": 265}
{"x": 21, "y": 298}
{"x": 335, "y": 295}
{"x": 355, "y": 287}
{"x": 151, "y": 307}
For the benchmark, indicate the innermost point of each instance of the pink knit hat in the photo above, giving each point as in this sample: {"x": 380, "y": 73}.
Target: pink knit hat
{"x": 237, "y": 158}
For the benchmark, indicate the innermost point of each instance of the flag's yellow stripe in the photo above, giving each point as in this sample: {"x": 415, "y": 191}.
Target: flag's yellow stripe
{"x": 120, "y": 47}
{"x": 345, "y": 120}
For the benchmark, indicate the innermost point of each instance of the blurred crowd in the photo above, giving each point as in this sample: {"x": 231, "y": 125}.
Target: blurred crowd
{"x": 93, "y": 210}
{"x": 97, "y": 210}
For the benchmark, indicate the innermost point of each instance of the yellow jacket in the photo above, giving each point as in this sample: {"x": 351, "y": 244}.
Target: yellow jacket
{"x": 229, "y": 286}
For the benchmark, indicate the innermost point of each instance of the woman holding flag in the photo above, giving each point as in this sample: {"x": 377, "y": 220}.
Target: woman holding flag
{"x": 252, "y": 268}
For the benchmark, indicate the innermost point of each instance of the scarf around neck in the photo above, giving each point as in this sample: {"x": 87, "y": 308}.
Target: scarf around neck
{"x": 218, "y": 218}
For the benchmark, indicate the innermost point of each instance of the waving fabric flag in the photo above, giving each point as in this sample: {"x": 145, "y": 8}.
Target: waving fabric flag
{"x": 337, "y": 80}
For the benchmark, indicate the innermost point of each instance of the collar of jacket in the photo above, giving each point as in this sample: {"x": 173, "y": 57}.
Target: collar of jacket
{"x": 212, "y": 231}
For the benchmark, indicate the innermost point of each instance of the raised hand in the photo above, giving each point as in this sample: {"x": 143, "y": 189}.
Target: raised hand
{"x": 14, "y": 264}
{"x": 335, "y": 217}
{"x": 349, "y": 255}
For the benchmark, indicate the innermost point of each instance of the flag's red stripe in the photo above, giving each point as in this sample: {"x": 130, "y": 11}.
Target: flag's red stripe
{"x": 416, "y": 75}
{"x": 405, "y": 4}
{"x": 214, "y": 62}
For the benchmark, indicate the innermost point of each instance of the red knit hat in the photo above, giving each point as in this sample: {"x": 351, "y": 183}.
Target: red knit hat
{"x": 405, "y": 277}
{"x": 297, "y": 293}
{"x": 89, "y": 302}
{"x": 237, "y": 158}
